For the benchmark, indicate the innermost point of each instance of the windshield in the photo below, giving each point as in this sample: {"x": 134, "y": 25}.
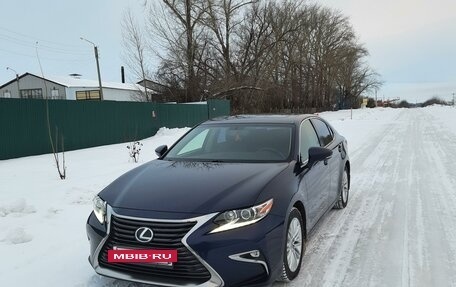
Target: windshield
{"x": 235, "y": 143}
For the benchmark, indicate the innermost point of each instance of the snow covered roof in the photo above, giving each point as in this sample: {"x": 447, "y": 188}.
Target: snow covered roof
{"x": 73, "y": 82}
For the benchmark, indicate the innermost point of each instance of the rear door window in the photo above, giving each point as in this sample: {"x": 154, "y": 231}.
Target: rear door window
{"x": 324, "y": 134}
{"x": 308, "y": 139}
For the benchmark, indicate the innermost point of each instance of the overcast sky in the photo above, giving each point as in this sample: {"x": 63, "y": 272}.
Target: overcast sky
{"x": 412, "y": 43}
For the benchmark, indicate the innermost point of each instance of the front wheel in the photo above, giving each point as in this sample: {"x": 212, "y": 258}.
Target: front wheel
{"x": 344, "y": 191}
{"x": 295, "y": 246}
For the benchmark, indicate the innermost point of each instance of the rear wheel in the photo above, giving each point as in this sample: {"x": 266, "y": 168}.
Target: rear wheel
{"x": 295, "y": 246}
{"x": 344, "y": 191}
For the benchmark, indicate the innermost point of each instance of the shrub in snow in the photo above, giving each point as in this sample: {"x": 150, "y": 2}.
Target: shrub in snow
{"x": 60, "y": 164}
{"x": 134, "y": 149}
{"x": 371, "y": 103}
{"x": 434, "y": 101}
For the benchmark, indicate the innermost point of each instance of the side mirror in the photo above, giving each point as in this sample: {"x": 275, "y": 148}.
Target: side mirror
{"x": 160, "y": 151}
{"x": 317, "y": 154}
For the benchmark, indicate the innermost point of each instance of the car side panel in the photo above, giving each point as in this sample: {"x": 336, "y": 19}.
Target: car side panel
{"x": 334, "y": 163}
{"x": 315, "y": 183}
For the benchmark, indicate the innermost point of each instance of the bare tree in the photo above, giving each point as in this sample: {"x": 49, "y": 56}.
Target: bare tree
{"x": 175, "y": 23}
{"x": 135, "y": 52}
{"x": 355, "y": 77}
{"x": 265, "y": 56}
{"x": 222, "y": 18}
{"x": 306, "y": 54}
{"x": 61, "y": 168}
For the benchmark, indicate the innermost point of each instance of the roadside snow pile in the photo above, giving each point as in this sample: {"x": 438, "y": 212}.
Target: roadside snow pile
{"x": 16, "y": 208}
{"x": 444, "y": 114}
{"x": 165, "y": 132}
{"x": 365, "y": 123}
{"x": 164, "y": 136}
{"x": 17, "y": 236}
{"x": 42, "y": 218}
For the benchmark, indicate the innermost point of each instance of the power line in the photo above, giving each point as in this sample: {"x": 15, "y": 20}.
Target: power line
{"x": 38, "y": 39}
{"x": 24, "y": 43}
{"x": 47, "y": 58}
{"x": 16, "y": 53}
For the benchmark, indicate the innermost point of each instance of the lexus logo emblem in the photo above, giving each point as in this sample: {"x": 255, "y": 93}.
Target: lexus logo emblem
{"x": 144, "y": 234}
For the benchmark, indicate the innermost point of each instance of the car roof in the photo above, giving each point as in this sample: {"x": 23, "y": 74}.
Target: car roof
{"x": 261, "y": 119}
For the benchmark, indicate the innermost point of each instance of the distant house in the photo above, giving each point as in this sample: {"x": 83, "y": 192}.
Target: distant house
{"x": 31, "y": 86}
{"x": 158, "y": 92}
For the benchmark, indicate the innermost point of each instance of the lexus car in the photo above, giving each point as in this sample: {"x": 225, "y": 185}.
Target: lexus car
{"x": 231, "y": 203}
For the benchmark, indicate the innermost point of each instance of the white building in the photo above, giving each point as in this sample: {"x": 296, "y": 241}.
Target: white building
{"x": 31, "y": 86}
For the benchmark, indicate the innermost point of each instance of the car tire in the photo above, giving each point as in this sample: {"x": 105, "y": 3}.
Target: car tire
{"x": 295, "y": 246}
{"x": 344, "y": 191}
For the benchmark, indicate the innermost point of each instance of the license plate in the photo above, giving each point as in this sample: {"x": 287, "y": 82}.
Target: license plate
{"x": 146, "y": 256}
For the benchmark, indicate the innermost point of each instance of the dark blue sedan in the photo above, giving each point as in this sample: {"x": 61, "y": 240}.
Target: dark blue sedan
{"x": 234, "y": 198}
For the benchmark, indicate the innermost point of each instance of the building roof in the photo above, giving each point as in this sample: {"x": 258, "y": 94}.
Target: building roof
{"x": 73, "y": 82}
{"x": 154, "y": 86}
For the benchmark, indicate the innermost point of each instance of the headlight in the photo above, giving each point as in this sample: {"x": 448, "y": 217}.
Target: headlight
{"x": 99, "y": 208}
{"x": 237, "y": 218}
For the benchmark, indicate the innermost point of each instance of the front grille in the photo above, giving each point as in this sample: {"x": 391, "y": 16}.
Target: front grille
{"x": 167, "y": 235}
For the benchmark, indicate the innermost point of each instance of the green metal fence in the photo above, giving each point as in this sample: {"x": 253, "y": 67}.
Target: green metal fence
{"x": 83, "y": 124}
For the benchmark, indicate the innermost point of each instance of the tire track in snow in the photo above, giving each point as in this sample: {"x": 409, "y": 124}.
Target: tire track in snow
{"x": 399, "y": 228}
{"x": 326, "y": 261}
{"x": 378, "y": 178}
{"x": 439, "y": 182}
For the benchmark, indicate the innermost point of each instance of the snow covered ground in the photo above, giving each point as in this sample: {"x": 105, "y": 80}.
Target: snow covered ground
{"x": 399, "y": 228}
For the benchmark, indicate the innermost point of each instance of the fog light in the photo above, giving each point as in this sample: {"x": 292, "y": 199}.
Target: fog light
{"x": 253, "y": 256}
{"x": 255, "y": 253}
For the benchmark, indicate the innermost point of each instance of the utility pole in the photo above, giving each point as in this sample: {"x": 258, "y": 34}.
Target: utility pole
{"x": 95, "y": 49}
{"x": 19, "y": 89}
{"x": 376, "y": 97}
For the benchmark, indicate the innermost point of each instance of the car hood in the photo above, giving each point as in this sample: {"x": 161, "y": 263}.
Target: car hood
{"x": 191, "y": 187}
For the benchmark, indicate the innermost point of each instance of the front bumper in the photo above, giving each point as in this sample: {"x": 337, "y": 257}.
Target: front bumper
{"x": 248, "y": 256}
